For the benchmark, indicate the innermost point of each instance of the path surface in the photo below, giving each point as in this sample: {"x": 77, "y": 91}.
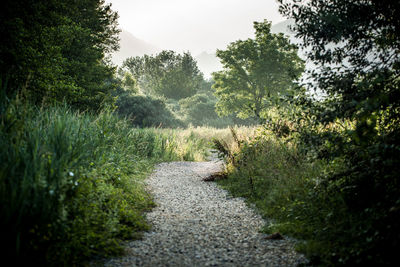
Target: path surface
{"x": 196, "y": 223}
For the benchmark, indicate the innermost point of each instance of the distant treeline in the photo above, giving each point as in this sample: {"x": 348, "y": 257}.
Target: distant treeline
{"x": 168, "y": 90}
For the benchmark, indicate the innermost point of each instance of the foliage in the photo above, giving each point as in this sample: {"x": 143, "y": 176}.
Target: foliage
{"x": 195, "y": 143}
{"x": 166, "y": 74}
{"x": 355, "y": 46}
{"x": 129, "y": 83}
{"x": 71, "y": 183}
{"x": 150, "y": 111}
{"x": 327, "y": 173}
{"x": 198, "y": 109}
{"x": 55, "y": 51}
{"x": 140, "y": 110}
{"x": 286, "y": 187}
{"x": 145, "y": 111}
{"x": 255, "y": 71}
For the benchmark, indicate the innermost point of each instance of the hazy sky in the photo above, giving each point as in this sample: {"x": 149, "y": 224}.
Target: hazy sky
{"x": 194, "y": 25}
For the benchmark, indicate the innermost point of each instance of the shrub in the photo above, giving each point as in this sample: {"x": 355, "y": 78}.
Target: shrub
{"x": 145, "y": 111}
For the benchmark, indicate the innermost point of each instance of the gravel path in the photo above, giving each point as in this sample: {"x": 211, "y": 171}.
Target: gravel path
{"x": 196, "y": 223}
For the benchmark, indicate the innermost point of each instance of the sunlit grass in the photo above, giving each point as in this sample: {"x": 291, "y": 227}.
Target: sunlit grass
{"x": 195, "y": 143}
{"x": 71, "y": 183}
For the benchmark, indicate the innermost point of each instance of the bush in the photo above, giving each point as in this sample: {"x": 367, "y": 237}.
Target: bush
{"x": 145, "y": 111}
{"x": 198, "y": 109}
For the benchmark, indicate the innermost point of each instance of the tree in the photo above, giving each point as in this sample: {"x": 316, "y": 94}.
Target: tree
{"x": 166, "y": 74}
{"x": 198, "y": 109}
{"x": 351, "y": 42}
{"x": 140, "y": 110}
{"x": 55, "y": 50}
{"x": 355, "y": 46}
{"x": 129, "y": 83}
{"x": 255, "y": 70}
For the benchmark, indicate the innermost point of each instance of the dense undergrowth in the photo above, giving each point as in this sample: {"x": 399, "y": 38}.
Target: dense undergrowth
{"x": 298, "y": 195}
{"x": 71, "y": 184}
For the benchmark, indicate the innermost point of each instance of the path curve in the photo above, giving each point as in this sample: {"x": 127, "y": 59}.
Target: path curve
{"x": 196, "y": 223}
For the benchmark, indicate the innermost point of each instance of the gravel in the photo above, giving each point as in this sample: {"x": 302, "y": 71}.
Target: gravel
{"x": 196, "y": 223}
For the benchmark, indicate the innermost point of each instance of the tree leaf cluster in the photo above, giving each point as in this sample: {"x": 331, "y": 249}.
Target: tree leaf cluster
{"x": 355, "y": 47}
{"x": 166, "y": 74}
{"x": 146, "y": 111}
{"x": 56, "y": 50}
{"x": 255, "y": 71}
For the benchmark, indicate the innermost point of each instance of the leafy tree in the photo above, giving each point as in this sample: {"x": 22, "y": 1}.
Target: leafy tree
{"x": 255, "y": 70}
{"x": 198, "y": 109}
{"x": 55, "y": 50}
{"x": 129, "y": 83}
{"x": 356, "y": 48}
{"x": 166, "y": 74}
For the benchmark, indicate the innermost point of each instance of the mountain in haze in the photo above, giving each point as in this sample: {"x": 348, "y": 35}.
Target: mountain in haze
{"x": 130, "y": 46}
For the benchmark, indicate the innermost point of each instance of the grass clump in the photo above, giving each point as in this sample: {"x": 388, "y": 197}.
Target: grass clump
{"x": 71, "y": 184}
{"x": 195, "y": 143}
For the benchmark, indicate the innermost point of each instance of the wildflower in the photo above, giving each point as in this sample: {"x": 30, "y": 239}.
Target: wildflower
{"x": 71, "y": 174}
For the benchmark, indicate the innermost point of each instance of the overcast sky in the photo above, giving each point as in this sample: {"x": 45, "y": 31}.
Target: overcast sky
{"x": 193, "y": 25}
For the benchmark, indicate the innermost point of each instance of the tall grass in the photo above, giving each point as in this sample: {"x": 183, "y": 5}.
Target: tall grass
{"x": 71, "y": 184}
{"x": 272, "y": 173}
{"x": 195, "y": 143}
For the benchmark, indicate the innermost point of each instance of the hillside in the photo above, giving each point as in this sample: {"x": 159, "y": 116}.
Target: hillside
{"x": 130, "y": 46}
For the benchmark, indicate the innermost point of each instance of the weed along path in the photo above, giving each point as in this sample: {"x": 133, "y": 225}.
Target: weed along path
{"x": 196, "y": 223}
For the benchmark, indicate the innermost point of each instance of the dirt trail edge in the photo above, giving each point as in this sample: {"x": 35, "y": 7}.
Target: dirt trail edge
{"x": 196, "y": 223}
